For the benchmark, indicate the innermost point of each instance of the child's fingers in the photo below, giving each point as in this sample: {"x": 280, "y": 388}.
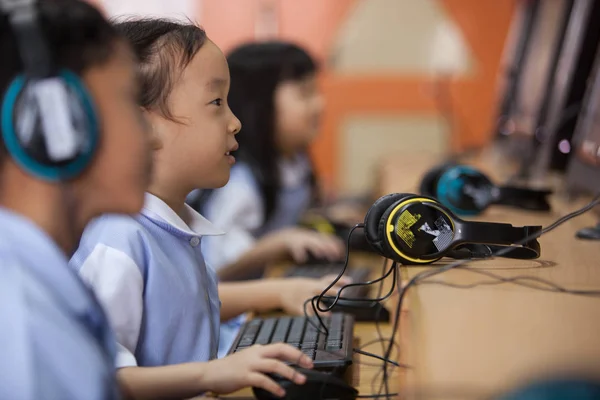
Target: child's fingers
{"x": 273, "y": 366}
{"x": 298, "y": 254}
{"x": 332, "y": 246}
{"x": 344, "y": 280}
{"x": 288, "y": 353}
{"x": 262, "y": 381}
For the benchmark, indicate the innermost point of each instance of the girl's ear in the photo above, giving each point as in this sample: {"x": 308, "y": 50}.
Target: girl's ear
{"x": 155, "y": 139}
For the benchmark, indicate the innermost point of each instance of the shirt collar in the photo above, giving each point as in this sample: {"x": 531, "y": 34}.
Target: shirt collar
{"x": 154, "y": 208}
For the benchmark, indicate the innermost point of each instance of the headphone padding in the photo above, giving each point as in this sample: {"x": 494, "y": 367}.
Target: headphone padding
{"x": 373, "y": 219}
{"x": 429, "y": 181}
{"x": 385, "y": 246}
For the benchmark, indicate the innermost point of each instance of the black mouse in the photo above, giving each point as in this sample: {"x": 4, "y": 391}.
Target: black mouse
{"x": 318, "y": 386}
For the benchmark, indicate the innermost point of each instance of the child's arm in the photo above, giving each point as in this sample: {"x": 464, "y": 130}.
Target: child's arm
{"x": 268, "y": 294}
{"x": 294, "y": 243}
{"x": 243, "y": 369}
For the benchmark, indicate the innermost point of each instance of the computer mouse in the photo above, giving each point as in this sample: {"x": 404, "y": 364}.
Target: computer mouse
{"x": 319, "y": 385}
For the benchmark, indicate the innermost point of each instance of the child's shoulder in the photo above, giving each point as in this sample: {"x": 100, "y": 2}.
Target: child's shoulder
{"x": 113, "y": 226}
{"x": 122, "y": 233}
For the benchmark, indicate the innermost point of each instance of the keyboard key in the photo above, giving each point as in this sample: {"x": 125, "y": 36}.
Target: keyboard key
{"x": 266, "y": 330}
{"x": 333, "y": 345}
{"x": 252, "y": 328}
{"x": 296, "y": 330}
{"x": 308, "y": 345}
{"x": 310, "y": 353}
{"x": 281, "y": 331}
{"x": 246, "y": 342}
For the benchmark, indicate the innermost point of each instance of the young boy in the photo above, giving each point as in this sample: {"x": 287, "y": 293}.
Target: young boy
{"x": 149, "y": 271}
{"x": 63, "y": 161}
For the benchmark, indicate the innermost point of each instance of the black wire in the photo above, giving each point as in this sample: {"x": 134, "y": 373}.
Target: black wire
{"x": 319, "y": 298}
{"x": 552, "y": 287}
{"x": 376, "y": 396}
{"x": 378, "y": 313}
{"x": 363, "y": 299}
{"x": 332, "y": 284}
{"x": 428, "y": 273}
{"x": 366, "y": 353}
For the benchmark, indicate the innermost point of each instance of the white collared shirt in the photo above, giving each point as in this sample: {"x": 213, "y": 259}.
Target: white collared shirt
{"x": 238, "y": 209}
{"x": 149, "y": 274}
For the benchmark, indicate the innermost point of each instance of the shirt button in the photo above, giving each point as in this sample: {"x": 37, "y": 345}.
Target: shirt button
{"x": 195, "y": 241}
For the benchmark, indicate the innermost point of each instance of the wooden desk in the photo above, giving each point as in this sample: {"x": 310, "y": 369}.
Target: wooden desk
{"x": 472, "y": 343}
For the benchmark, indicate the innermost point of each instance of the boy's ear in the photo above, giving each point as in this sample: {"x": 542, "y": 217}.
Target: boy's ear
{"x": 155, "y": 140}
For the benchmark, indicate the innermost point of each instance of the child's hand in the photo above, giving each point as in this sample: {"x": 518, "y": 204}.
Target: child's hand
{"x": 300, "y": 243}
{"x": 248, "y": 368}
{"x": 295, "y": 291}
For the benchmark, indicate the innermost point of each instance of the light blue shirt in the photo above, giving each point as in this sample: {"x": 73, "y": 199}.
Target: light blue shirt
{"x": 149, "y": 274}
{"x": 55, "y": 341}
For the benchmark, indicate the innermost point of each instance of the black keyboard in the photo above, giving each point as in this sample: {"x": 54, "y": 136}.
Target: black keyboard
{"x": 358, "y": 275}
{"x": 328, "y": 352}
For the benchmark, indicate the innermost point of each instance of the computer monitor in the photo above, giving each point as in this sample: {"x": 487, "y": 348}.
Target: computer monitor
{"x": 566, "y": 98}
{"x": 583, "y": 171}
{"x": 531, "y": 55}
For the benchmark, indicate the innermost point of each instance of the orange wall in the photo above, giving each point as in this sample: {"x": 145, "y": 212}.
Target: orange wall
{"x": 484, "y": 25}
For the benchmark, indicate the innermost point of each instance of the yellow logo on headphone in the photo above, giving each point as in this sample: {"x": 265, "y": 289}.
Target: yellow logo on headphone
{"x": 405, "y": 222}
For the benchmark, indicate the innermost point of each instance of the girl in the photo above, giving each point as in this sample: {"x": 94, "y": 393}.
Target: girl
{"x": 274, "y": 93}
{"x": 149, "y": 271}
{"x": 55, "y": 340}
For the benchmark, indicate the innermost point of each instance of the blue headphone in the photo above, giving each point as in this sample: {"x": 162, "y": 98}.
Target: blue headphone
{"x": 467, "y": 191}
{"x": 48, "y": 120}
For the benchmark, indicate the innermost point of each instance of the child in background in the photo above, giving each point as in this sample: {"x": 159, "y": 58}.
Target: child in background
{"x": 55, "y": 340}
{"x": 274, "y": 93}
{"x": 149, "y": 271}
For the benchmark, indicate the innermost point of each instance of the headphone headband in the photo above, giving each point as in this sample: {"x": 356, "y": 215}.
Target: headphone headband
{"x": 499, "y": 234}
{"x": 33, "y": 47}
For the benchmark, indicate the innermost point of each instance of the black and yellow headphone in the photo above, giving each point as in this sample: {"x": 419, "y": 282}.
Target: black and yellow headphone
{"x": 415, "y": 229}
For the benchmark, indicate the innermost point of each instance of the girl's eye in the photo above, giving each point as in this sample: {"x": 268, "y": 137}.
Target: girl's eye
{"x": 217, "y": 102}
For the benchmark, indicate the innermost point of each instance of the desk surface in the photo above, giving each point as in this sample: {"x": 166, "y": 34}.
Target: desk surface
{"x": 472, "y": 343}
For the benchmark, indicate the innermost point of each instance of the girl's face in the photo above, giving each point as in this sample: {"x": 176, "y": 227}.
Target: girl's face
{"x": 298, "y": 109}
{"x": 195, "y": 148}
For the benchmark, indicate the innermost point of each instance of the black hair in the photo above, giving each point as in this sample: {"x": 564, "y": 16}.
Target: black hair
{"x": 77, "y": 34}
{"x": 256, "y": 70}
{"x": 163, "y": 48}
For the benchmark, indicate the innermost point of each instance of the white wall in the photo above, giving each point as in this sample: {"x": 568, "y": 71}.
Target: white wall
{"x": 180, "y": 9}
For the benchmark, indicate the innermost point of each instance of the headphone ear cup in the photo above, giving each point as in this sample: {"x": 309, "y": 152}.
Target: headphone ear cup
{"x": 452, "y": 190}
{"x": 430, "y": 180}
{"x": 50, "y": 129}
{"x": 386, "y": 247}
{"x": 373, "y": 220}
